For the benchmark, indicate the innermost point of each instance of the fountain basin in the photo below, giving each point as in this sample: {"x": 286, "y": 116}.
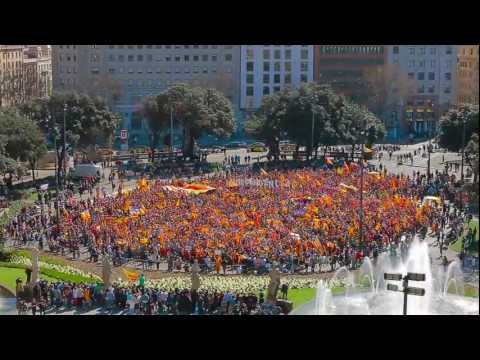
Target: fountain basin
{"x": 390, "y": 303}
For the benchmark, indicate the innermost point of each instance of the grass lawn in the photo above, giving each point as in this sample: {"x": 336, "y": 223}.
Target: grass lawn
{"x": 302, "y": 296}
{"x": 457, "y": 245}
{"x": 8, "y": 276}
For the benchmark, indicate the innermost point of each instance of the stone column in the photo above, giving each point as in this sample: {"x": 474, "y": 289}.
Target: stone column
{"x": 107, "y": 272}
{"x": 35, "y": 266}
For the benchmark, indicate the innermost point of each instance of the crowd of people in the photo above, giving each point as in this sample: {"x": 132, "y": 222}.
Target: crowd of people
{"x": 58, "y": 297}
{"x": 298, "y": 219}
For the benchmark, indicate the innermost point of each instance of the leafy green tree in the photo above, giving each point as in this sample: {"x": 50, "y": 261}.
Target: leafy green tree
{"x": 312, "y": 115}
{"x": 197, "y": 110}
{"x": 24, "y": 139}
{"x": 451, "y": 126}
{"x": 88, "y": 120}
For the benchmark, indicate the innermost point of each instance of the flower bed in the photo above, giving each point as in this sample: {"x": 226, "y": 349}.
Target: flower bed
{"x": 237, "y": 284}
{"x": 61, "y": 272}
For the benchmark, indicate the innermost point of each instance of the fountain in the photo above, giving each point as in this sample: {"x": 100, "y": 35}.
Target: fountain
{"x": 377, "y": 300}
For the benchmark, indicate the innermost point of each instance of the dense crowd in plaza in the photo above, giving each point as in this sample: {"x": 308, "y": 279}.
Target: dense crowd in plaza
{"x": 302, "y": 220}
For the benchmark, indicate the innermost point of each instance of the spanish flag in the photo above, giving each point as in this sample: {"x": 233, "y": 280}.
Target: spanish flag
{"x": 131, "y": 275}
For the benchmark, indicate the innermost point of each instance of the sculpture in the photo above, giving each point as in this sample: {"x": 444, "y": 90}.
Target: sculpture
{"x": 273, "y": 286}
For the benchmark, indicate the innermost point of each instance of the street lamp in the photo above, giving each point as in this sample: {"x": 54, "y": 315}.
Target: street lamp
{"x": 429, "y": 150}
{"x": 362, "y": 133}
{"x": 406, "y": 289}
{"x": 313, "y": 128}
{"x": 64, "y": 146}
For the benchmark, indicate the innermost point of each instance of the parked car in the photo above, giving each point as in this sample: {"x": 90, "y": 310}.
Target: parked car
{"x": 258, "y": 147}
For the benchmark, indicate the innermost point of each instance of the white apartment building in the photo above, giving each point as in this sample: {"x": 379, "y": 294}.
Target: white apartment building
{"x": 126, "y": 74}
{"x": 266, "y": 69}
{"x": 431, "y": 72}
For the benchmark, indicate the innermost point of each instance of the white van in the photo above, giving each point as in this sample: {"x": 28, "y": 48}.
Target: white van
{"x": 84, "y": 170}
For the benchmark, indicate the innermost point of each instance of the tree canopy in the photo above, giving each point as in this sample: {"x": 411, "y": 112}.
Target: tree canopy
{"x": 196, "y": 109}
{"x": 291, "y": 113}
{"x": 21, "y": 141}
{"x": 88, "y": 120}
{"x": 451, "y": 126}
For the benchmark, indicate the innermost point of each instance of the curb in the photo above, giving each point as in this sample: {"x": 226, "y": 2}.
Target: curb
{"x": 7, "y": 290}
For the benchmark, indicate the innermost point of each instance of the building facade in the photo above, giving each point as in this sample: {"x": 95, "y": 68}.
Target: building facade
{"x": 37, "y": 62}
{"x": 266, "y": 69}
{"x": 467, "y": 74}
{"x": 423, "y": 88}
{"x": 355, "y": 71}
{"x": 126, "y": 74}
{"x": 11, "y": 75}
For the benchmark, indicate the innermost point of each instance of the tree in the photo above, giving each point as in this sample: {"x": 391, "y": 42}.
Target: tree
{"x": 88, "y": 120}
{"x": 335, "y": 119}
{"x": 197, "y": 110}
{"x": 23, "y": 139}
{"x": 451, "y": 126}
{"x": 156, "y": 111}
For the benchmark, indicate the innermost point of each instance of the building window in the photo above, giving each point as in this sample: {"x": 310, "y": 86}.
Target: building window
{"x": 266, "y": 78}
{"x": 139, "y": 57}
{"x": 448, "y": 76}
{"x": 396, "y": 50}
{"x": 448, "y": 50}
{"x": 266, "y": 66}
{"x": 195, "y": 57}
{"x": 276, "y": 88}
{"x": 249, "y": 78}
{"x": 177, "y": 58}
{"x": 421, "y": 89}
{"x": 186, "y": 58}
{"x": 288, "y": 54}
{"x": 250, "y": 66}
{"x": 304, "y": 66}
{"x": 249, "y": 90}
{"x": 288, "y": 66}
{"x": 303, "y": 78}
{"x": 204, "y": 57}
{"x": 277, "y": 54}
{"x": 150, "y": 57}
{"x": 433, "y": 51}
{"x": 205, "y": 70}
{"x": 168, "y": 58}
{"x": 420, "y": 76}
{"x": 431, "y": 89}
{"x": 304, "y": 54}
{"x": 411, "y": 63}
{"x": 228, "y": 57}
{"x": 249, "y": 54}
{"x": 447, "y": 90}
{"x": 431, "y": 76}
{"x": 214, "y": 57}
{"x": 433, "y": 63}
{"x": 288, "y": 79}
{"x": 266, "y": 90}
{"x": 130, "y": 58}
{"x": 276, "y": 66}
{"x": 411, "y": 51}
{"x": 421, "y": 51}
{"x": 266, "y": 54}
